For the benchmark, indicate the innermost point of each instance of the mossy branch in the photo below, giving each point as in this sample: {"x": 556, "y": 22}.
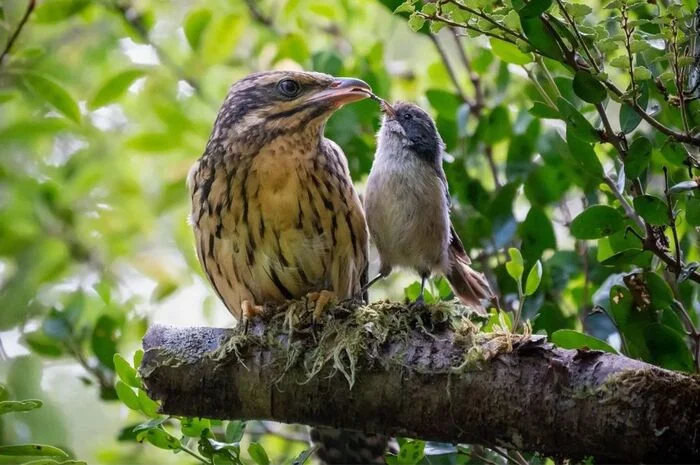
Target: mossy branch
{"x": 432, "y": 374}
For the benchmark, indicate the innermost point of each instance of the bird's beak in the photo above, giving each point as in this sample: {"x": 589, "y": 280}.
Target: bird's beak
{"x": 342, "y": 91}
{"x": 387, "y": 109}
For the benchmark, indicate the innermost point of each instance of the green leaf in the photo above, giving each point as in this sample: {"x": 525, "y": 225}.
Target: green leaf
{"x": 667, "y": 348}
{"x": 576, "y": 122}
{"x": 597, "y": 221}
{"x": 632, "y": 256}
{"x": 138, "y": 356}
{"x": 53, "y": 93}
{"x": 629, "y": 118}
{"x": 196, "y": 22}
{"x": 674, "y": 152}
{"x": 542, "y": 110}
{"x": 570, "y": 339}
{"x": 147, "y": 405}
{"x": 125, "y": 371}
{"x": 234, "y": 431}
{"x": 219, "y": 39}
{"x": 540, "y": 37}
{"x": 537, "y": 234}
{"x": 584, "y": 154}
{"x": 641, "y": 73}
{"x": 32, "y": 450}
{"x": 508, "y": 52}
{"x": 258, "y": 454}
{"x": 588, "y": 88}
{"x": 498, "y": 125}
{"x": 416, "y": 22}
{"x": 411, "y": 452}
{"x": 43, "y": 345}
{"x": 4, "y": 394}
{"x": 160, "y": 438}
{"x": 659, "y": 290}
{"x": 638, "y": 157}
{"x": 405, "y": 7}
{"x": 534, "y": 277}
{"x": 127, "y": 396}
{"x": 194, "y": 427}
{"x": 55, "y": 11}
{"x": 8, "y": 406}
{"x": 692, "y": 211}
{"x": 104, "y": 340}
{"x": 515, "y": 266}
{"x": 114, "y": 87}
{"x": 652, "y": 209}
{"x": 534, "y": 8}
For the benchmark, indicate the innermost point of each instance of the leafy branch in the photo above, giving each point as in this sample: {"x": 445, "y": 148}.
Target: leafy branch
{"x": 11, "y": 41}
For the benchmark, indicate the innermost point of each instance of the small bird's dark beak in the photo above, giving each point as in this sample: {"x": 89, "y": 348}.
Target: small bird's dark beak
{"x": 342, "y": 91}
{"x": 387, "y": 109}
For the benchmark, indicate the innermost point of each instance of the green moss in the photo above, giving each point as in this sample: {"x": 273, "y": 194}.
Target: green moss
{"x": 348, "y": 334}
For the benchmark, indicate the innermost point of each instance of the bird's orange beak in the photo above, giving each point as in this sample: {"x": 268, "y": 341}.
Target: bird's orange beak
{"x": 342, "y": 91}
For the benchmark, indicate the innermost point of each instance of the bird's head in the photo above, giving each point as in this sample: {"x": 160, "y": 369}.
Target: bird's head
{"x": 267, "y": 105}
{"x": 407, "y": 126}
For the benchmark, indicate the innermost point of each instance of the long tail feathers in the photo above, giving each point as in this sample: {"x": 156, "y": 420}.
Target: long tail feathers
{"x": 470, "y": 286}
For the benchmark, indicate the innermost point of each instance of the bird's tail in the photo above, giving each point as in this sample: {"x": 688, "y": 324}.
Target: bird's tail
{"x": 339, "y": 446}
{"x": 468, "y": 285}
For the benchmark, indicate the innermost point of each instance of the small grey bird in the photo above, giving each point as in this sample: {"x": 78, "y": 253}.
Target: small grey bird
{"x": 407, "y": 206}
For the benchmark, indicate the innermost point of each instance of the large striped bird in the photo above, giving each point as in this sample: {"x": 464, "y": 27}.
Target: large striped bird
{"x": 274, "y": 210}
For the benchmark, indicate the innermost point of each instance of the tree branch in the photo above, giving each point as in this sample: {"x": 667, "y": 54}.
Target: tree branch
{"x": 15, "y": 34}
{"x": 378, "y": 369}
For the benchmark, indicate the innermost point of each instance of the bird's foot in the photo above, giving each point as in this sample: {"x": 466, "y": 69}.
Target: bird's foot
{"x": 250, "y": 310}
{"x": 418, "y": 304}
{"x": 320, "y": 301}
{"x": 352, "y": 301}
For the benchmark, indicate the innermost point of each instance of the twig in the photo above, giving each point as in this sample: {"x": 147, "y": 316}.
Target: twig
{"x": 572, "y": 23}
{"x": 490, "y": 20}
{"x": 539, "y": 87}
{"x": 479, "y": 101}
{"x": 492, "y": 166}
{"x": 628, "y": 35}
{"x": 629, "y": 210}
{"x": 258, "y": 15}
{"x": 449, "y": 68}
{"x": 672, "y": 224}
{"x": 18, "y": 30}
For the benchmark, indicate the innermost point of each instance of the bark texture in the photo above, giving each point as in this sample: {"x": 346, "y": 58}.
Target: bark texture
{"x": 383, "y": 373}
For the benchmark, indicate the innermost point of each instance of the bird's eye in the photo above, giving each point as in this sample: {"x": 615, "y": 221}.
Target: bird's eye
{"x": 289, "y": 87}
{"x": 407, "y": 116}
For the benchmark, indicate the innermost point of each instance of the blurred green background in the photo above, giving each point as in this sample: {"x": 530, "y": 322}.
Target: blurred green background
{"x": 105, "y": 105}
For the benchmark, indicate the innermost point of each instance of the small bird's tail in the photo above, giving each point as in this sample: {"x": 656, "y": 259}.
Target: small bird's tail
{"x": 469, "y": 285}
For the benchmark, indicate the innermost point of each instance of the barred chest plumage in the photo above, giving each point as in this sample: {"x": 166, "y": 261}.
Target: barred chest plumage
{"x": 280, "y": 223}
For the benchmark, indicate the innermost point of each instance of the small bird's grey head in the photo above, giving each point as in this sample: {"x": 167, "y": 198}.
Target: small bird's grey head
{"x": 409, "y": 126}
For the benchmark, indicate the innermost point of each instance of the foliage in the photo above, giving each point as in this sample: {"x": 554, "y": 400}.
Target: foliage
{"x": 572, "y": 139}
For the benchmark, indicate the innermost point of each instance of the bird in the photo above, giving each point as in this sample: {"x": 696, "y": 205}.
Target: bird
{"x": 407, "y": 206}
{"x": 274, "y": 210}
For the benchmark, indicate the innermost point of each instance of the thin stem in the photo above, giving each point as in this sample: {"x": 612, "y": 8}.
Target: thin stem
{"x": 450, "y": 69}
{"x": 490, "y": 20}
{"x": 539, "y": 87}
{"x": 672, "y": 224}
{"x": 492, "y": 166}
{"x": 629, "y": 210}
{"x": 678, "y": 136}
{"x": 679, "y": 77}
{"x": 628, "y": 35}
{"x": 193, "y": 454}
{"x": 479, "y": 101}
{"x": 547, "y": 74}
{"x": 572, "y": 23}
{"x": 3, "y": 354}
{"x": 469, "y": 27}
{"x": 18, "y": 30}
